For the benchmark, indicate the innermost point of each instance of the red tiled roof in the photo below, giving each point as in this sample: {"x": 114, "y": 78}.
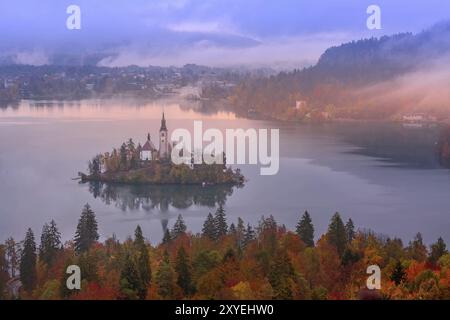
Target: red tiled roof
{"x": 148, "y": 146}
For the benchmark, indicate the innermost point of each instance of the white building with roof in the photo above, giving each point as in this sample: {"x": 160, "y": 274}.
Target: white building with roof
{"x": 148, "y": 150}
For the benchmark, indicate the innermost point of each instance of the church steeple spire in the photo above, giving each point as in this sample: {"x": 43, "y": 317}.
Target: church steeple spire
{"x": 163, "y": 139}
{"x": 163, "y": 124}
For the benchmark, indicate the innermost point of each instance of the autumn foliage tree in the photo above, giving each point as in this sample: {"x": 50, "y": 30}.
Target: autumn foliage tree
{"x": 266, "y": 262}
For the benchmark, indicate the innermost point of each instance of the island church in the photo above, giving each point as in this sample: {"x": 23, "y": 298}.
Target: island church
{"x": 148, "y": 150}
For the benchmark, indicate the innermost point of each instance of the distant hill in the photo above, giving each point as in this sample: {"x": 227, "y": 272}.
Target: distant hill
{"x": 342, "y": 71}
{"x": 369, "y": 60}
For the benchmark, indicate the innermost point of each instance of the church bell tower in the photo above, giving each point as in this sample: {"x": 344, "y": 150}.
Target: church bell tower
{"x": 163, "y": 140}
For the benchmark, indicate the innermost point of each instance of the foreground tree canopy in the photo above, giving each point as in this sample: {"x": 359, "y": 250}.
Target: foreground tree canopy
{"x": 235, "y": 261}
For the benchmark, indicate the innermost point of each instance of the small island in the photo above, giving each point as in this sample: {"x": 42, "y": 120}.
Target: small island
{"x": 131, "y": 164}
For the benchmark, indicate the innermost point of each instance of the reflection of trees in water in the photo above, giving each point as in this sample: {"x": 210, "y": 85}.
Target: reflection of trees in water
{"x": 9, "y": 104}
{"x": 147, "y": 198}
{"x": 207, "y": 107}
{"x": 394, "y": 143}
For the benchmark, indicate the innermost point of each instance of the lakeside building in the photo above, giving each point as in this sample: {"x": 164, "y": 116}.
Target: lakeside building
{"x": 149, "y": 152}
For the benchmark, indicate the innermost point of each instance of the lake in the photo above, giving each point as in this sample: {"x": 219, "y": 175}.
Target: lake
{"x": 385, "y": 177}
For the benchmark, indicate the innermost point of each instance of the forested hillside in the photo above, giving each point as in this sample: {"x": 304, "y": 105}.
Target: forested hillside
{"x": 347, "y": 80}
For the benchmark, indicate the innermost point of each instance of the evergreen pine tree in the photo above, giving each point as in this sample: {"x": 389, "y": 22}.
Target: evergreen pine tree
{"x": 438, "y": 249}
{"x": 416, "y": 249}
{"x": 305, "y": 230}
{"x": 95, "y": 165}
{"x": 86, "y": 234}
{"x": 249, "y": 235}
{"x": 12, "y": 256}
{"x": 183, "y": 269}
{"x": 28, "y": 274}
{"x": 165, "y": 278}
{"x": 398, "y": 274}
{"x": 229, "y": 255}
{"x": 167, "y": 237}
{"x": 232, "y": 229}
{"x": 209, "y": 227}
{"x": 350, "y": 230}
{"x": 179, "y": 227}
{"x": 240, "y": 233}
{"x": 4, "y": 275}
{"x": 220, "y": 222}
{"x": 281, "y": 271}
{"x": 131, "y": 147}
{"x": 130, "y": 284}
{"x": 267, "y": 225}
{"x": 143, "y": 263}
{"x": 50, "y": 243}
{"x": 337, "y": 234}
{"x": 123, "y": 157}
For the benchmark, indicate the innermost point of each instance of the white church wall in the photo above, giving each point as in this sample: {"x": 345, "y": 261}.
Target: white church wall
{"x": 146, "y": 155}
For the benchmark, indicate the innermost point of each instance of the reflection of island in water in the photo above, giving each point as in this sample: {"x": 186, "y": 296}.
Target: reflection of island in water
{"x": 161, "y": 197}
{"x": 149, "y": 198}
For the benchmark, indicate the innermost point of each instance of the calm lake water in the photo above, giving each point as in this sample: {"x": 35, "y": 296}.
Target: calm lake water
{"x": 384, "y": 176}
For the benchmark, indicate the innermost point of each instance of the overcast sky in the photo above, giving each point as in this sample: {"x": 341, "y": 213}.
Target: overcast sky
{"x": 210, "y": 32}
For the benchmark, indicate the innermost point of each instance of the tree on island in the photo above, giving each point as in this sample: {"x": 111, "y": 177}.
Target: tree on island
{"x": 28, "y": 274}
{"x": 123, "y": 157}
{"x": 87, "y": 230}
{"x": 50, "y": 243}
{"x": 305, "y": 230}
{"x": 123, "y": 165}
{"x": 95, "y": 166}
{"x": 134, "y": 156}
{"x": 130, "y": 145}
